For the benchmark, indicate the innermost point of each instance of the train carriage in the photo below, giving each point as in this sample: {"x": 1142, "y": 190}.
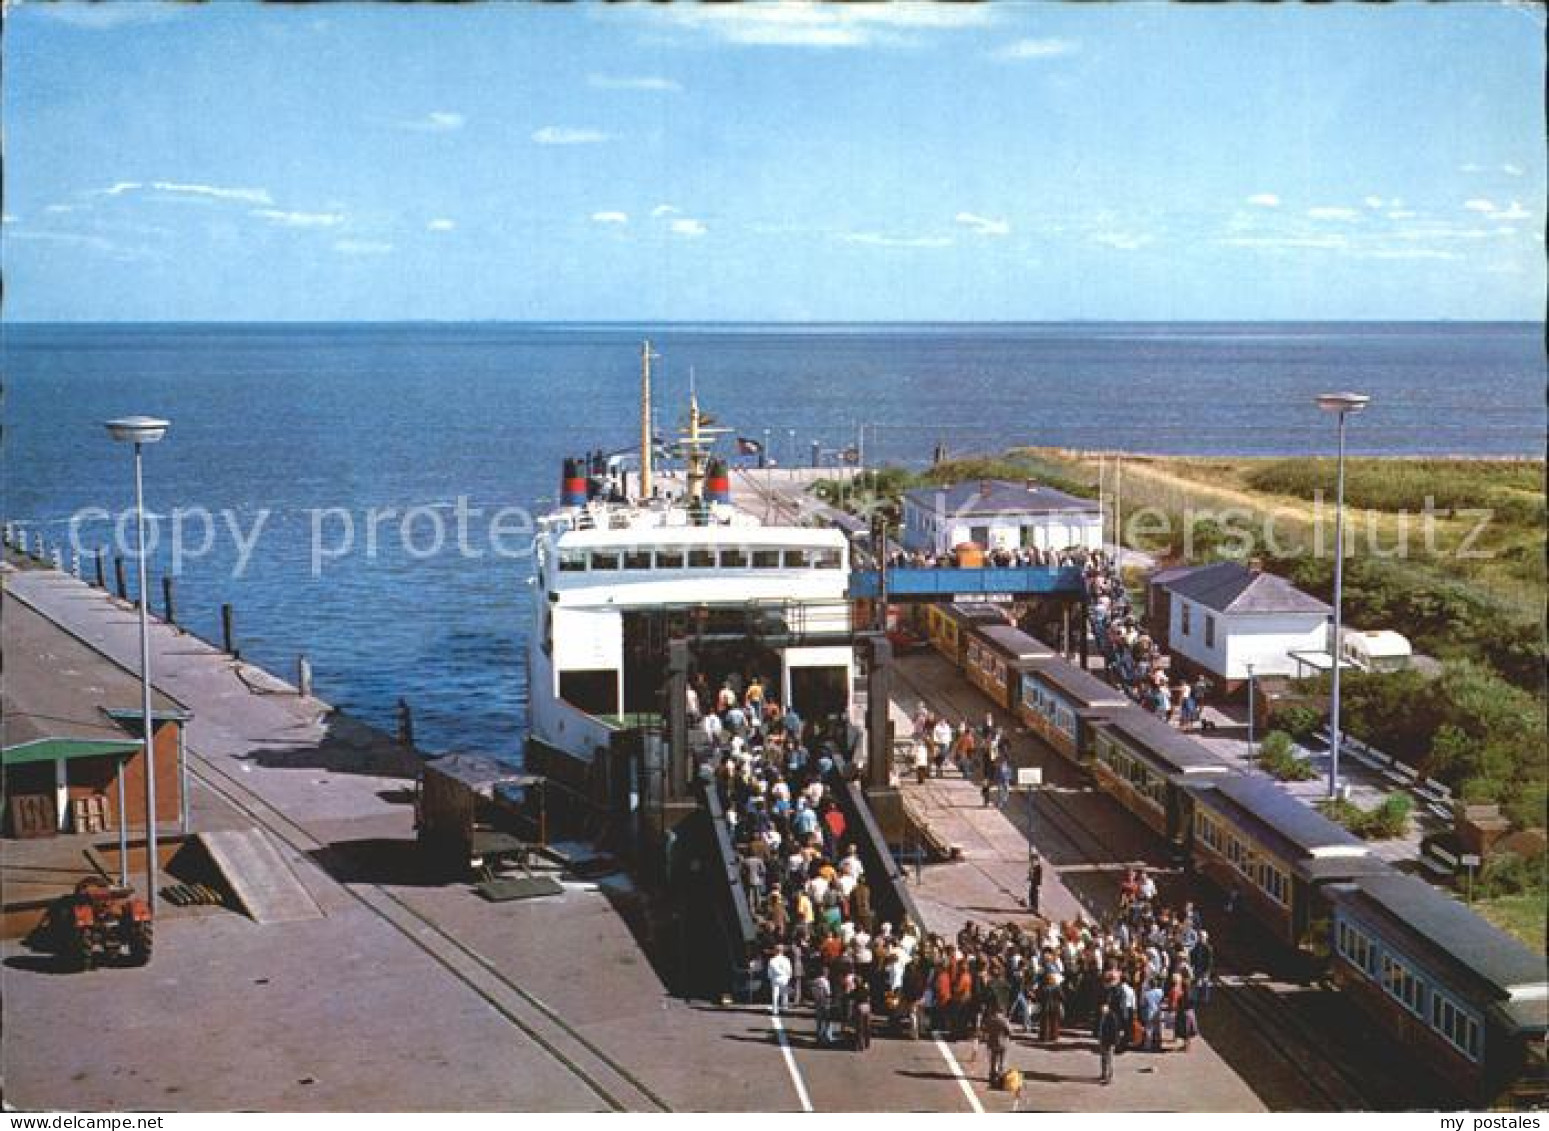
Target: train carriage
{"x": 997, "y": 655}
{"x": 1465, "y": 999}
{"x": 1061, "y": 703}
{"x": 1145, "y": 764}
{"x": 947, "y": 626}
{"x": 1250, "y": 836}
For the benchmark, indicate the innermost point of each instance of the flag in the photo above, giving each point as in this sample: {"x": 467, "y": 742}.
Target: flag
{"x": 747, "y": 447}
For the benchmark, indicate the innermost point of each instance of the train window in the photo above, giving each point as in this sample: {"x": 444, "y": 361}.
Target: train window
{"x": 796, "y": 559}
{"x": 637, "y": 559}
{"x": 701, "y": 559}
{"x": 766, "y": 559}
{"x": 669, "y": 559}
{"x": 734, "y": 559}
{"x": 605, "y": 559}
{"x": 572, "y": 561}
{"x": 1184, "y": 614}
{"x": 1210, "y": 631}
{"x": 827, "y": 559}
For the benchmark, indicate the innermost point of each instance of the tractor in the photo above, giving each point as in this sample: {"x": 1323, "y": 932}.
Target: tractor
{"x": 105, "y": 921}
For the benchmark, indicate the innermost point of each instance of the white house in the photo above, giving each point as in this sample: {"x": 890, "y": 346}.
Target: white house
{"x": 997, "y": 515}
{"x": 1221, "y": 618}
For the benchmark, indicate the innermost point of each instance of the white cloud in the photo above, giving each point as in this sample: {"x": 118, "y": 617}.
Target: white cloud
{"x": 1375, "y": 202}
{"x": 1402, "y": 214}
{"x": 1515, "y": 212}
{"x": 806, "y": 23}
{"x": 59, "y": 208}
{"x": 440, "y": 224}
{"x": 642, "y": 82}
{"x": 610, "y": 217}
{"x": 299, "y": 219}
{"x": 8, "y": 218}
{"x": 1471, "y": 167}
{"x": 1265, "y": 200}
{"x": 1512, "y": 170}
{"x": 688, "y": 227}
{"x": 1121, "y": 241}
{"x": 1479, "y": 204}
{"x": 983, "y": 224}
{"x": 877, "y": 239}
{"x": 1345, "y": 215}
{"x": 1038, "y": 49}
{"x": 362, "y": 247}
{"x": 117, "y": 189}
{"x": 210, "y": 192}
{"x": 664, "y": 210}
{"x": 567, "y": 135}
{"x": 436, "y": 122}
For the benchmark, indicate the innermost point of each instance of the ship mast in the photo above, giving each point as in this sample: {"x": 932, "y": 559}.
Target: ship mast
{"x": 645, "y": 420}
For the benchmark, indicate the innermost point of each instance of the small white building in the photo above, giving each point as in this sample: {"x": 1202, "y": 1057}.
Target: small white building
{"x": 997, "y": 515}
{"x": 1221, "y": 618}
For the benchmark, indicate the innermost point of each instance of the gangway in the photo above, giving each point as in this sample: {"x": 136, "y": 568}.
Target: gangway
{"x": 923, "y": 583}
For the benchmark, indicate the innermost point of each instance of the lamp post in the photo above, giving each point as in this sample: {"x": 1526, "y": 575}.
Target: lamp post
{"x": 139, "y": 431}
{"x": 1341, "y": 405}
{"x": 1250, "y": 712}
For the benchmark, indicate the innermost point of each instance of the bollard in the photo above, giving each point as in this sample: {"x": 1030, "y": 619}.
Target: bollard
{"x": 304, "y": 676}
{"x": 228, "y": 631}
{"x": 118, "y": 577}
{"x": 102, "y": 581}
{"x": 168, "y": 604}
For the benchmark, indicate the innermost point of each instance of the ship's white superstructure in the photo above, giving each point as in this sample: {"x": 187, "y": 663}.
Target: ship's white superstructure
{"x": 617, "y": 575}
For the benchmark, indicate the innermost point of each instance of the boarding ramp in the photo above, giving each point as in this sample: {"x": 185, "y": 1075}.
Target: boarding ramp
{"x": 258, "y": 876}
{"x": 719, "y": 898}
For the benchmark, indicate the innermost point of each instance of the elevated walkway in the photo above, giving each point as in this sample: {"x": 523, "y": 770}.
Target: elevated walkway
{"x": 258, "y": 876}
{"x": 917, "y": 583}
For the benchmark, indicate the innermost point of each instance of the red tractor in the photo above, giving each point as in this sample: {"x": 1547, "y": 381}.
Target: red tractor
{"x": 105, "y": 921}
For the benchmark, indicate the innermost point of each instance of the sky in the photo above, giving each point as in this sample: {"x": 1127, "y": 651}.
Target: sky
{"x": 1010, "y": 161}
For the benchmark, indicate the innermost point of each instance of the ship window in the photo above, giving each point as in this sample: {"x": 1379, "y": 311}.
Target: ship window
{"x": 795, "y": 559}
{"x": 605, "y": 559}
{"x": 669, "y": 559}
{"x": 637, "y": 559}
{"x": 734, "y": 559}
{"x": 701, "y": 559}
{"x": 572, "y": 561}
{"x": 766, "y": 559}
{"x": 826, "y": 559}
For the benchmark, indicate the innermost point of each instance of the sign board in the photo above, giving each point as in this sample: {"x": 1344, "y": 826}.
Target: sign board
{"x": 1469, "y": 860}
{"x": 978, "y": 598}
{"x": 1029, "y": 776}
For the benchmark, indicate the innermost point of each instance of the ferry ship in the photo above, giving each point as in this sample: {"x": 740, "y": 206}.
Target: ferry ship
{"x": 637, "y": 555}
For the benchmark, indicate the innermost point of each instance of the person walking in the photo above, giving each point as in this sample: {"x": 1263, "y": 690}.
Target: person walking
{"x": 1003, "y": 777}
{"x": 1107, "y": 1041}
{"x": 860, "y": 1004}
{"x": 996, "y": 1032}
{"x": 920, "y": 755}
{"x": 779, "y": 972}
{"x": 823, "y": 1008}
{"x": 1034, "y": 879}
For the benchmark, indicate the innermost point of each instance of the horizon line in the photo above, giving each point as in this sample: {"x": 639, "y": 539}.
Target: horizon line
{"x": 633, "y": 322}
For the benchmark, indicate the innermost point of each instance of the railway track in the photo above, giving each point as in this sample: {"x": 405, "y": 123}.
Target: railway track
{"x": 611, "y": 1082}
{"x": 1320, "y": 1066}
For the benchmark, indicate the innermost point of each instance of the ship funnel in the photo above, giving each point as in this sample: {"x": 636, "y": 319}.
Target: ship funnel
{"x": 572, "y": 488}
{"x": 717, "y": 483}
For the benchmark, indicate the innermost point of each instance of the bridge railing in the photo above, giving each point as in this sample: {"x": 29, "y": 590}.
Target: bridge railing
{"x": 905, "y": 582}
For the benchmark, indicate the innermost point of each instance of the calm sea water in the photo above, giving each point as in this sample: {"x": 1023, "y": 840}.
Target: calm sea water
{"x": 288, "y": 419}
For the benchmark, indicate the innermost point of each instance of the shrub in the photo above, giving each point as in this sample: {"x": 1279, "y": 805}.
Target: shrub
{"x": 1277, "y": 755}
{"x": 1389, "y": 819}
{"x": 1299, "y": 721}
{"x": 1505, "y": 873}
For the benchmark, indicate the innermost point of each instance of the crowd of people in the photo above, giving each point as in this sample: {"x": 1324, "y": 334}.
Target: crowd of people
{"x": 981, "y": 752}
{"x": 1132, "y": 660}
{"x": 1002, "y": 557}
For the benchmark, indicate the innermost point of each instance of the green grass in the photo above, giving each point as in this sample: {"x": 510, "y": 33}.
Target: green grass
{"x": 1524, "y": 916}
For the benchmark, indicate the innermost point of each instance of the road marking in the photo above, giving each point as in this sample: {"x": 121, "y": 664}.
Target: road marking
{"x": 790, "y": 1066}
{"x": 962, "y": 1079}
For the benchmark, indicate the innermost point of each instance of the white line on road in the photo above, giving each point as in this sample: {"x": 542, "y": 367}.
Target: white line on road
{"x": 790, "y": 1065}
{"x": 962, "y": 1079}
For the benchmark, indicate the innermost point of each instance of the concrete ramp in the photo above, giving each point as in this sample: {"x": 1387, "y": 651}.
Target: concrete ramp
{"x": 258, "y": 876}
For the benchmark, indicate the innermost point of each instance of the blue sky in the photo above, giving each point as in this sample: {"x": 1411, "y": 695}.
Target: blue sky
{"x": 1006, "y": 161}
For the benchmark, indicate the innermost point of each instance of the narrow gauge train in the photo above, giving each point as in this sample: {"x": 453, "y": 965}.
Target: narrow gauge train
{"x": 1454, "y": 991}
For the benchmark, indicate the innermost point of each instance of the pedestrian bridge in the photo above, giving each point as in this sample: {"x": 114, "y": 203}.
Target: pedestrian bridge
{"x": 923, "y": 583}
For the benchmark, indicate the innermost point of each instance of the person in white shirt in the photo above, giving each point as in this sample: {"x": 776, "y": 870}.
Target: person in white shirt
{"x": 779, "y": 972}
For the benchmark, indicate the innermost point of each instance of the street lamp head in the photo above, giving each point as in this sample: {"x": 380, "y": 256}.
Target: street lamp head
{"x": 1343, "y": 403}
{"x": 137, "y": 429}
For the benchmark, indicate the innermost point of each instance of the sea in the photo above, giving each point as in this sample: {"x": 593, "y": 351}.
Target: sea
{"x": 330, "y": 458}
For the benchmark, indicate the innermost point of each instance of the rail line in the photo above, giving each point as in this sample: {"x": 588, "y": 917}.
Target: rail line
{"x": 607, "y": 1079}
{"x": 1240, "y": 993}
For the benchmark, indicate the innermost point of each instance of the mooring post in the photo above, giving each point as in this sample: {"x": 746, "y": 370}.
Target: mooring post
{"x": 304, "y": 675}
{"x": 118, "y": 577}
{"x": 228, "y": 631}
{"x": 168, "y": 601}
